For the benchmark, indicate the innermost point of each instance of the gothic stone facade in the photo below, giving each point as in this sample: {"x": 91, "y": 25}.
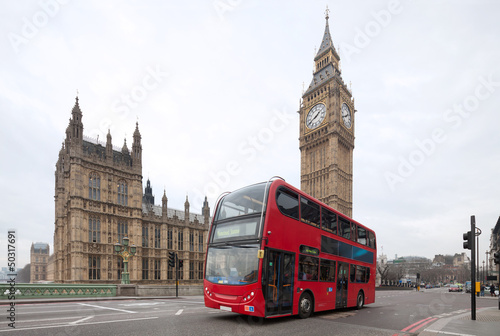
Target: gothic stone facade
{"x": 327, "y": 131}
{"x": 39, "y": 261}
{"x": 99, "y": 201}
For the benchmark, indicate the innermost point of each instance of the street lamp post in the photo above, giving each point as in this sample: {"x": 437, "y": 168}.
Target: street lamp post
{"x": 487, "y": 270}
{"x": 125, "y": 251}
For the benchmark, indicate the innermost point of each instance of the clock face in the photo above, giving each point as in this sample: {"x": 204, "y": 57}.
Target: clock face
{"x": 346, "y": 115}
{"x": 316, "y": 116}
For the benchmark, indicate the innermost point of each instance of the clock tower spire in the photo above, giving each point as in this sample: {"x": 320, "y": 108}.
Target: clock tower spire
{"x": 327, "y": 130}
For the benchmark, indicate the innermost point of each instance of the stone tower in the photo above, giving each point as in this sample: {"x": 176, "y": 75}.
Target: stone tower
{"x": 327, "y": 131}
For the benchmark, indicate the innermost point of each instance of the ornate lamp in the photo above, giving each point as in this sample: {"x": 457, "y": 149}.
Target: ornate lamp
{"x": 125, "y": 251}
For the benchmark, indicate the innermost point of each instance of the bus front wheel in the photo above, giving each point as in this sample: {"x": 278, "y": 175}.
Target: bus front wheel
{"x": 305, "y": 305}
{"x": 360, "y": 301}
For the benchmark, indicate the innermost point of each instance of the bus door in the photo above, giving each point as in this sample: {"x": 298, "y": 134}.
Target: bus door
{"x": 342, "y": 282}
{"x": 278, "y": 285}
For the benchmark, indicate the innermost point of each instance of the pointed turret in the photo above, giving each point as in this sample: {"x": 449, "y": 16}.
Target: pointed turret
{"x": 74, "y": 131}
{"x": 109, "y": 146}
{"x": 186, "y": 210}
{"x": 137, "y": 147}
{"x": 164, "y": 201}
{"x": 206, "y": 212}
{"x": 148, "y": 197}
{"x": 326, "y": 43}
{"x": 326, "y": 61}
{"x": 125, "y": 148}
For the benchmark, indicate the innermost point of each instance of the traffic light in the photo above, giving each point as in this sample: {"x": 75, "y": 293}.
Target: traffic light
{"x": 468, "y": 240}
{"x": 180, "y": 263}
{"x": 496, "y": 257}
{"x": 171, "y": 259}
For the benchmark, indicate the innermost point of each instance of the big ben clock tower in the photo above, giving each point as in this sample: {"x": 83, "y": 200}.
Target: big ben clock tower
{"x": 327, "y": 131}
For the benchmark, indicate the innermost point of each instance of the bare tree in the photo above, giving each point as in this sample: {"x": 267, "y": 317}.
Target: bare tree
{"x": 383, "y": 270}
{"x": 23, "y": 276}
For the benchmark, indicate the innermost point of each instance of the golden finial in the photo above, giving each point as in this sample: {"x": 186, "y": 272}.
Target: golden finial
{"x": 327, "y": 12}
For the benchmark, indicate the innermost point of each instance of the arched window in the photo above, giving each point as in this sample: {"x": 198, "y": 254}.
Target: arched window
{"x": 94, "y": 267}
{"x": 94, "y": 230}
{"x": 122, "y": 193}
{"x": 94, "y": 187}
{"x": 122, "y": 230}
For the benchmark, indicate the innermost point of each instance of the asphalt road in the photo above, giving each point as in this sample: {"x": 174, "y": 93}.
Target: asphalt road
{"x": 394, "y": 312}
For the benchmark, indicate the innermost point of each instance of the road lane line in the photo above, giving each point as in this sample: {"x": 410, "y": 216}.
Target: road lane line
{"x": 81, "y": 320}
{"x": 65, "y": 325}
{"x": 179, "y": 312}
{"x": 447, "y": 332}
{"x": 101, "y": 307}
{"x": 178, "y": 301}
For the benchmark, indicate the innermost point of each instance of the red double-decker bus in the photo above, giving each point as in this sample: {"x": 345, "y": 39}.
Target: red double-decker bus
{"x": 275, "y": 251}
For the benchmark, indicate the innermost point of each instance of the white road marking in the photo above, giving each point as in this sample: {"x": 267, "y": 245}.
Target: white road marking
{"x": 179, "y": 312}
{"x": 81, "y": 320}
{"x": 142, "y": 304}
{"x": 65, "y": 325}
{"x": 101, "y": 307}
{"x": 447, "y": 333}
{"x": 178, "y": 301}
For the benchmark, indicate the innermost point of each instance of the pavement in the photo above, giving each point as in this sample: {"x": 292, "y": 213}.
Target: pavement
{"x": 487, "y": 323}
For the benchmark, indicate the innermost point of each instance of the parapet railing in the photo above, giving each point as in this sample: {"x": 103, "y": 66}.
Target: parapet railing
{"x": 21, "y": 291}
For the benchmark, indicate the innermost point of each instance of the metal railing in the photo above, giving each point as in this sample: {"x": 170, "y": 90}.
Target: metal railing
{"x": 56, "y": 290}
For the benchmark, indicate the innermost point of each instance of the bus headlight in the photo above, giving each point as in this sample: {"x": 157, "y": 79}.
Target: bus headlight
{"x": 248, "y": 297}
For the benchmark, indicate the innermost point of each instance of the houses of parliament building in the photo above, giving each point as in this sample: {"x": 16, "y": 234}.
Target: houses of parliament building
{"x": 99, "y": 201}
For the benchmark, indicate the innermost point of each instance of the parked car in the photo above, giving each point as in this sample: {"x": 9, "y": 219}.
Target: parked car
{"x": 454, "y": 288}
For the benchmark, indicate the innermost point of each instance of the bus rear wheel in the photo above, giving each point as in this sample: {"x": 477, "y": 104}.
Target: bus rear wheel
{"x": 305, "y": 305}
{"x": 360, "y": 301}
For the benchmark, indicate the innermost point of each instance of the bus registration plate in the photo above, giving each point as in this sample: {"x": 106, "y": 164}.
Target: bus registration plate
{"x": 226, "y": 308}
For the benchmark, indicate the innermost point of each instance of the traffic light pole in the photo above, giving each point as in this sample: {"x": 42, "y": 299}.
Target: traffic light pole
{"x": 473, "y": 267}
{"x": 496, "y": 260}
{"x": 176, "y": 276}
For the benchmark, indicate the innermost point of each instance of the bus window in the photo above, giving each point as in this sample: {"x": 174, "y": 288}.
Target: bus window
{"x": 353, "y": 232}
{"x": 371, "y": 240}
{"x": 327, "y": 270}
{"x": 288, "y": 203}
{"x": 308, "y": 268}
{"x": 362, "y": 274}
{"x": 309, "y": 212}
{"x": 328, "y": 220}
{"x": 344, "y": 228}
{"x": 362, "y": 236}
{"x": 242, "y": 202}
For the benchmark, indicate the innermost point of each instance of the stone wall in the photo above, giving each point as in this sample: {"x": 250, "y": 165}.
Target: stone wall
{"x": 168, "y": 290}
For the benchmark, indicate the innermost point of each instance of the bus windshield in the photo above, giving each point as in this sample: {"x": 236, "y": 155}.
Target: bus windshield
{"x": 232, "y": 264}
{"x": 242, "y": 202}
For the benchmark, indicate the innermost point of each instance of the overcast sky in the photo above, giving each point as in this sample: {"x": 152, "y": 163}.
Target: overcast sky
{"x": 216, "y": 85}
